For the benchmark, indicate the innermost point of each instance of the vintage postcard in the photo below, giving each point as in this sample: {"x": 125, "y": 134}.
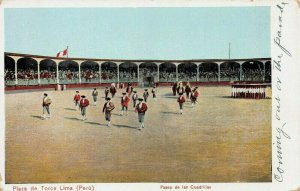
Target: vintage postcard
{"x": 150, "y": 95}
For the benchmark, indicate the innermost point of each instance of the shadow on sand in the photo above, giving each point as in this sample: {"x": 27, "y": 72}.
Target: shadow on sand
{"x": 71, "y": 109}
{"x": 172, "y": 97}
{"x": 95, "y": 123}
{"x": 126, "y": 126}
{"x": 169, "y": 112}
{"x": 73, "y": 118}
{"x": 37, "y": 116}
{"x": 116, "y": 114}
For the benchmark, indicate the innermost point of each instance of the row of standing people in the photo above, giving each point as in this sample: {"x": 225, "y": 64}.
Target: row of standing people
{"x": 248, "y": 92}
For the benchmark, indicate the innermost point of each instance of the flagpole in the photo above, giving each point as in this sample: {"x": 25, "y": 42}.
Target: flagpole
{"x": 67, "y": 52}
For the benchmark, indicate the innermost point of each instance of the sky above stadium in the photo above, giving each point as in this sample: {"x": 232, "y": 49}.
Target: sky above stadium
{"x": 140, "y": 33}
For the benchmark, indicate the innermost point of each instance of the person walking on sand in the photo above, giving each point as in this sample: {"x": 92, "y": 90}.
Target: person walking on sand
{"x": 181, "y": 101}
{"x": 95, "y": 96}
{"x": 174, "y": 88}
{"x": 196, "y": 94}
{"x": 107, "y": 109}
{"x": 129, "y": 89}
{"x": 84, "y": 103}
{"x": 76, "y": 100}
{"x": 180, "y": 88}
{"x": 153, "y": 92}
{"x": 193, "y": 98}
{"x": 113, "y": 90}
{"x": 124, "y": 103}
{"x": 134, "y": 98}
{"x": 188, "y": 90}
{"x": 46, "y": 106}
{"x": 141, "y": 109}
{"x": 146, "y": 95}
{"x": 106, "y": 92}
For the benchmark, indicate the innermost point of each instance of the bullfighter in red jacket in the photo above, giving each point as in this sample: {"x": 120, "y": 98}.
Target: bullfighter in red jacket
{"x": 141, "y": 109}
{"x": 194, "y": 96}
{"x": 181, "y": 101}
{"x": 84, "y": 103}
{"x": 76, "y": 100}
{"x": 124, "y": 103}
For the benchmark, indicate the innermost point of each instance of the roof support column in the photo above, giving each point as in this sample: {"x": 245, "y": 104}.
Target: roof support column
{"x": 118, "y": 72}
{"x": 39, "y": 70}
{"x": 138, "y": 71}
{"x": 100, "y": 75}
{"x": 16, "y": 58}
{"x": 197, "y": 75}
{"x": 219, "y": 71}
{"x": 264, "y": 71}
{"x": 176, "y": 72}
{"x": 57, "y": 74}
{"x": 79, "y": 69}
{"x": 157, "y": 72}
{"x": 241, "y": 71}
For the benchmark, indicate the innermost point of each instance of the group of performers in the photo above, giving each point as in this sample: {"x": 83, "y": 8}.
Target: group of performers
{"x": 191, "y": 93}
{"x": 139, "y": 103}
{"x": 140, "y": 108}
{"x": 248, "y": 91}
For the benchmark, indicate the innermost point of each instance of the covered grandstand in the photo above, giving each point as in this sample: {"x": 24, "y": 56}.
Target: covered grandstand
{"x": 36, "y": 70}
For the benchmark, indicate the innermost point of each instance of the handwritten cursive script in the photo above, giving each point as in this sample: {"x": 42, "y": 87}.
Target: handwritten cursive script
{"x": 278, "y": 66}
{"x": 278, "y": 174}
{"x": 277, "y": 39}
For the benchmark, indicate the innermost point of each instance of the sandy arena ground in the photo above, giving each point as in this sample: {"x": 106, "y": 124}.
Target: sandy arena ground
{"x": 219, "y": 140}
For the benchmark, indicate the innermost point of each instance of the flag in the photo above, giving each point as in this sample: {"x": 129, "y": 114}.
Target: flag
{"x": 62, "y": 53}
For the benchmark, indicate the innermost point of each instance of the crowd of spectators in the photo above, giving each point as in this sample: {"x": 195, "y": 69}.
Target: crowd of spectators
{"x": 253, "y": 75}
{"x": 47, "y": 77}
{"x": 27, "y": 74}
{"x": 27, "y": 77}
{"x": 68, "y": 76}
{"x": 148, "y": 71}
{"x": 88, "y": 76}
{"x": 165, "y": 76}
{"x": 208, "y": 76}
{"x": 108, "y": 75}
{"x": 230, "y": 75}
{"x": 268, "y": 76}
{"x": 9, "y": 77}
{"x": 187, "y": 76}
{"x": 128, "y": 76}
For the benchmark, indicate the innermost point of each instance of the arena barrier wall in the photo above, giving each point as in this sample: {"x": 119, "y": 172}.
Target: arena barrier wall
{"x": 62, "y": 87}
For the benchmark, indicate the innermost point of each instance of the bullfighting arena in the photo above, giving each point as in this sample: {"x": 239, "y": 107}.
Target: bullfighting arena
{"x": 219, "y": 140}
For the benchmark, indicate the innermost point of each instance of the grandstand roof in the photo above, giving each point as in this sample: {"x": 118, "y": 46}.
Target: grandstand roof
{"x": 131, "y": 60}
